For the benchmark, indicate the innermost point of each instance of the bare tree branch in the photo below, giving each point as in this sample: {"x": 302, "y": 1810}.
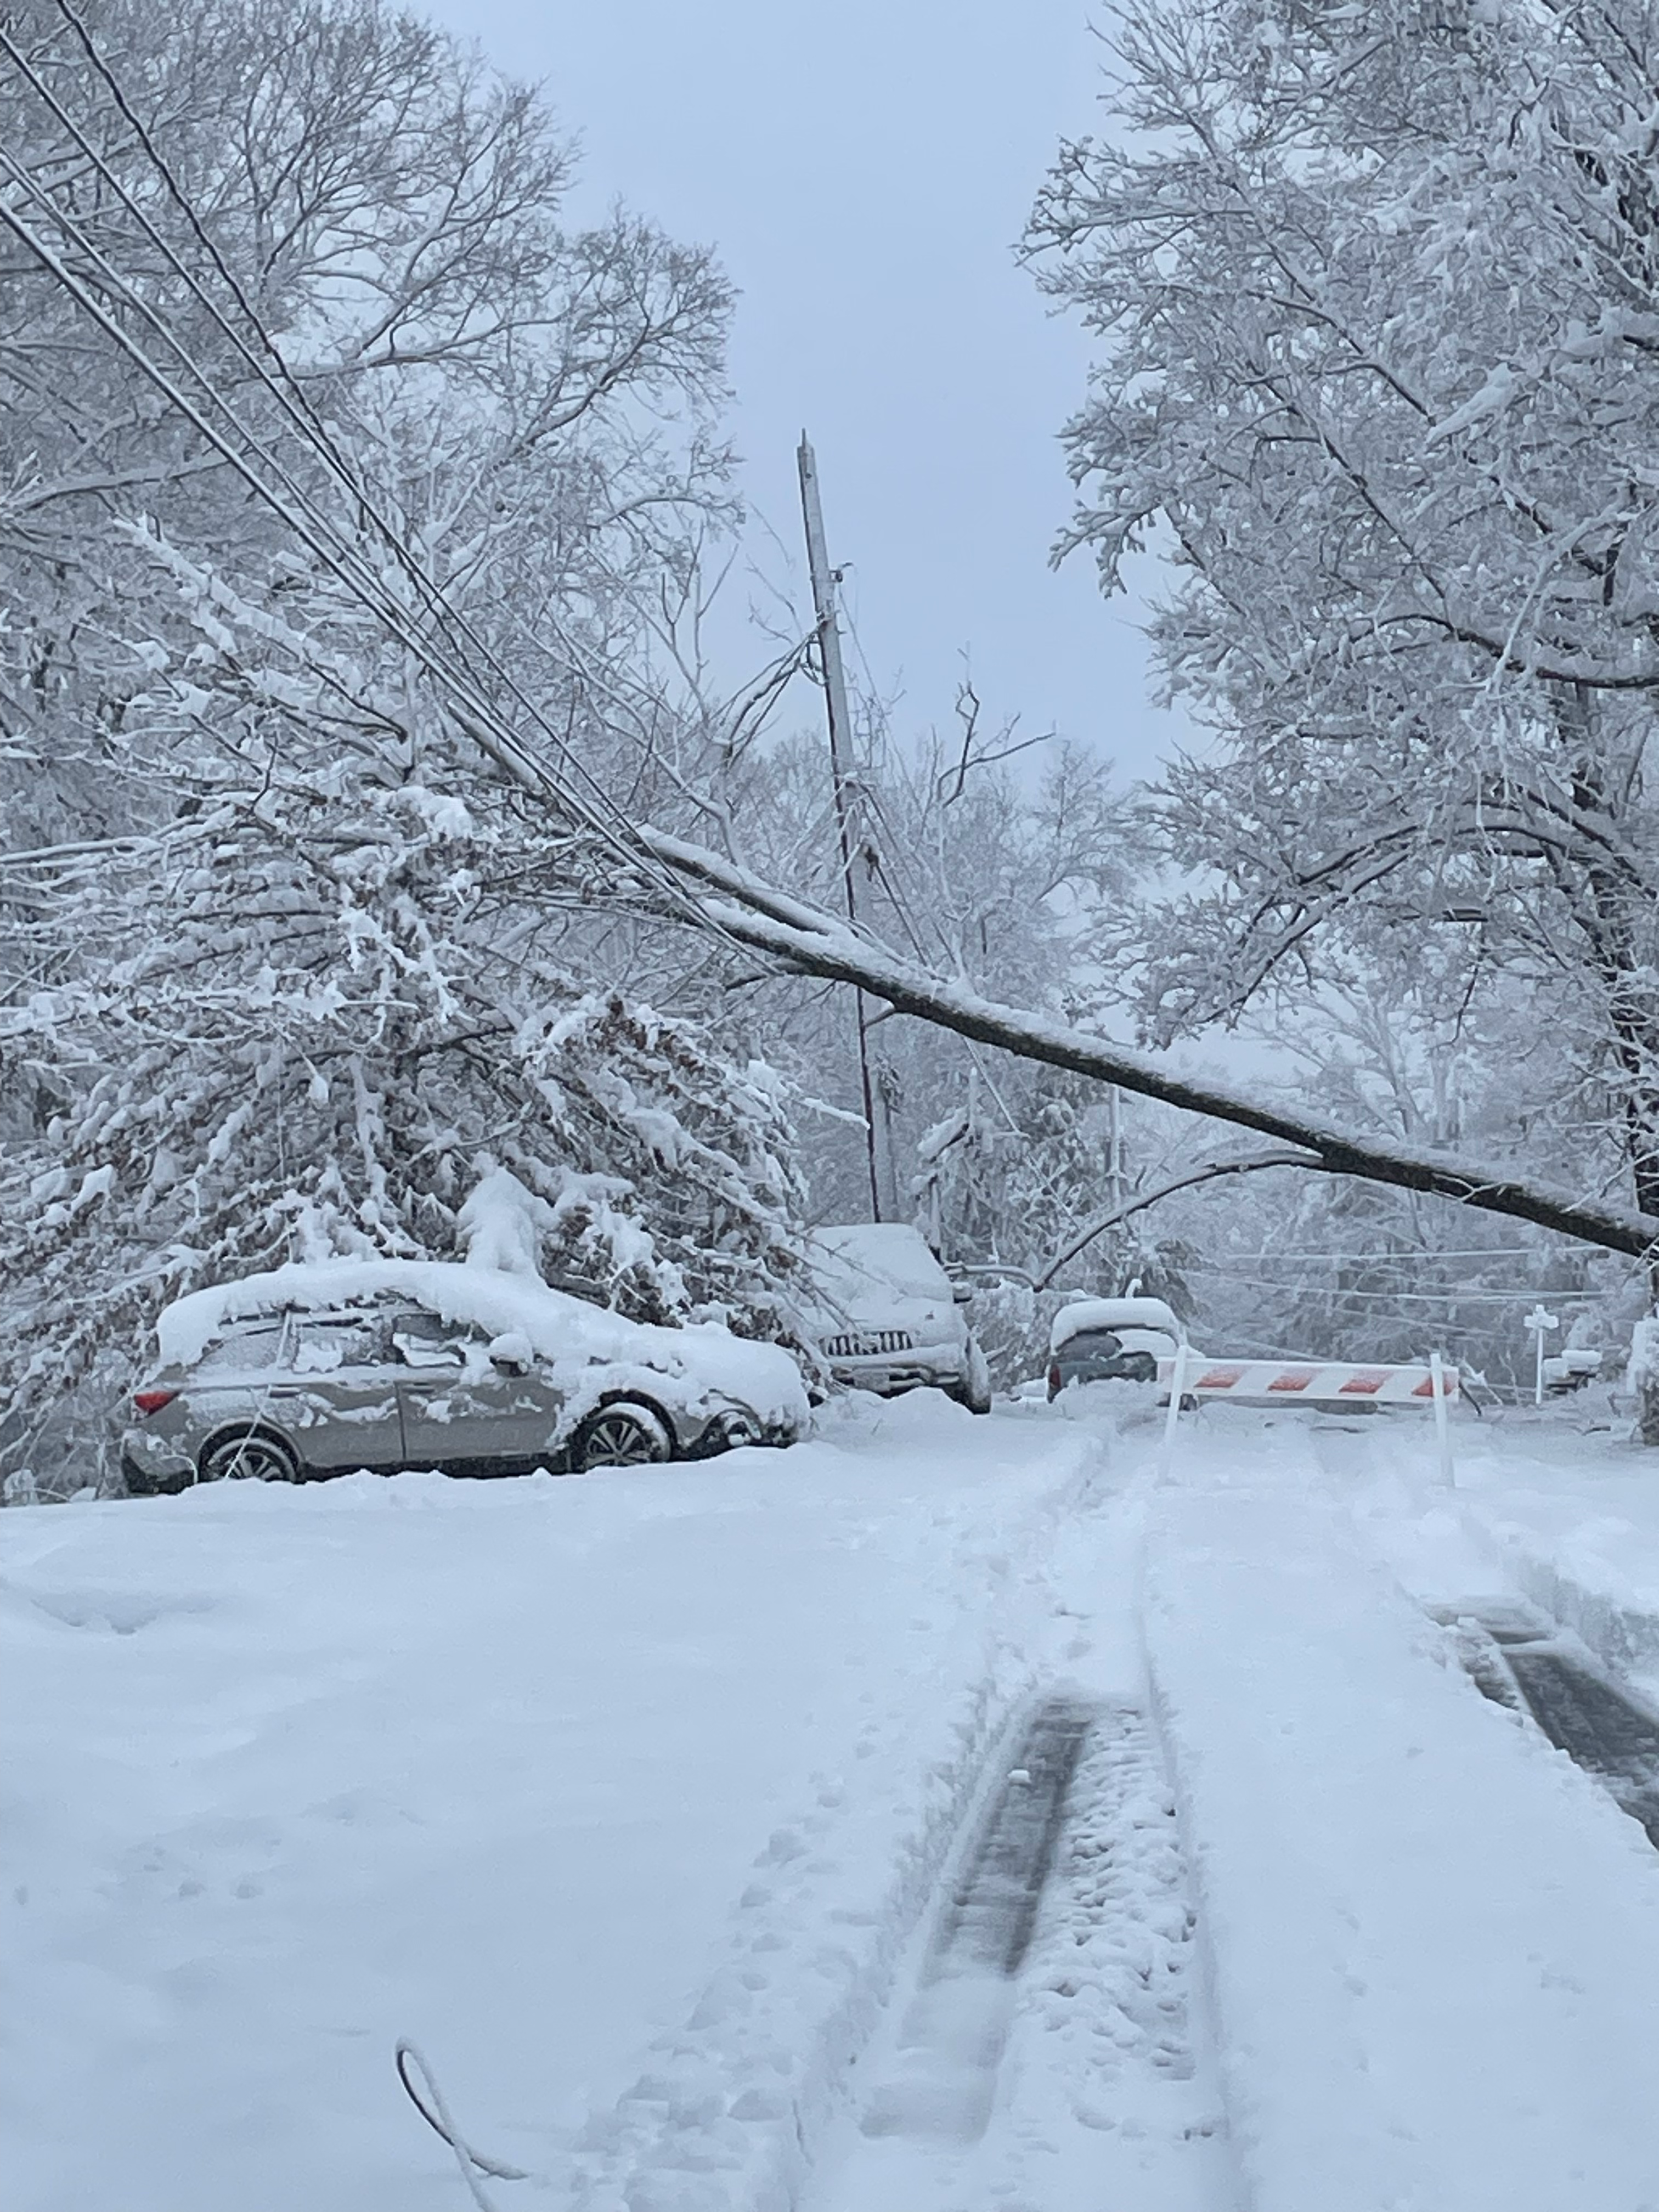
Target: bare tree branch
{"x": 1073, "y": 1245}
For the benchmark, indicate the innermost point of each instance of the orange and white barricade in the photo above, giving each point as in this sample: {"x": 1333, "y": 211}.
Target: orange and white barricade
{"x": 1307, "y": 1382}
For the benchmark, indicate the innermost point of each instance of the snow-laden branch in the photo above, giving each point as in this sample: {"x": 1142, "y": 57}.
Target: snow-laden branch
{"x": 1210, "y": 1172}
{"x": 802, "y": 938}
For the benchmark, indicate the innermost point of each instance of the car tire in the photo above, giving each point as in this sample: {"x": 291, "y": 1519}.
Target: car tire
{"x": 244, "y": 1457}
{"x": 622, "y": 1434}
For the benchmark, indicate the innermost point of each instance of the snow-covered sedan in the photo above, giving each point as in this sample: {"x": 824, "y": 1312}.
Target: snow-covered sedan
{"x": 320, "y": 1370}
{"x": 1110, "y": 1341}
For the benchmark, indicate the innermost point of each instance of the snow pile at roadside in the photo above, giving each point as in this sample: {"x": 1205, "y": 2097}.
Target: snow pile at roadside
{"x": 1574, "y": 1520}
{"x": 704, "y": 1359}
{"x": 1435, "y": 1943}
{"x": 1550, "y": 1511}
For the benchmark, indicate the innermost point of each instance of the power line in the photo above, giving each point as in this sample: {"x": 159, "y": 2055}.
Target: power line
{"x": 1393, "y": 1297}
{"x": 1425, "y": 1257}
{"x": 340, "y": 555}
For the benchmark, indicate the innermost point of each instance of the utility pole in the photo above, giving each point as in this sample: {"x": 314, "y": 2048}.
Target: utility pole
{"x": 883, "y": 1194}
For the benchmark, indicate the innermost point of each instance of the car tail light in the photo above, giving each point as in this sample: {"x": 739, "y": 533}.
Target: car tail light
{"x": 151, "y": 1402}
{"x": 1054, "y": 1376}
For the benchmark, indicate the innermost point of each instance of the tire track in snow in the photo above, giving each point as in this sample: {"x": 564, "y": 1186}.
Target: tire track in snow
{"x": 732, "y": 2107}
{"x": 1054, "y": 2055}
{"x": 956, "y": 2024}
{"x": 991, "y": 1912}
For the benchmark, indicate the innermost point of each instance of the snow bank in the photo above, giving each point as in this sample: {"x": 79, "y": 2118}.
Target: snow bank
{"x": 1573, "y": 1520}
{"x": 1434, "y": 1943}
{"x": 703, "y": 1359}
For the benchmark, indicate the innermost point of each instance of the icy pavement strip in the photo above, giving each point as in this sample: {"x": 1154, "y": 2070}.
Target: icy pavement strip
{"x": 540, "y": 1774}
{"x": 1434, "y": 1943}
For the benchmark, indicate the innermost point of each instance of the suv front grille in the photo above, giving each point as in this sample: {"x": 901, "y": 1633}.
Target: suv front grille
{"x": 877, "y": 1340}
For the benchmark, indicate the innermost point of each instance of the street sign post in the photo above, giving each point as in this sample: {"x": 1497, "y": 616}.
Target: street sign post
{"x": 1540, "y": 1324}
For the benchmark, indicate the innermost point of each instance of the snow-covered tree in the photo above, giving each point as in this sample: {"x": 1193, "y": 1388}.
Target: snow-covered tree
{"x": 1377, "y": 296}
{"x": 1323, "y": 1266}
{"x": 286, "y": 961}
{"x": 993, "y": 874}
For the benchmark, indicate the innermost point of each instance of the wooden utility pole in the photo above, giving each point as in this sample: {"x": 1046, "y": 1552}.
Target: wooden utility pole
{"x": 883, "y": 1194}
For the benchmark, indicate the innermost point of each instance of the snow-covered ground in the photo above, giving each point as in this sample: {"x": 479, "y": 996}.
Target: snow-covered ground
{"x": 692, "y": 1821}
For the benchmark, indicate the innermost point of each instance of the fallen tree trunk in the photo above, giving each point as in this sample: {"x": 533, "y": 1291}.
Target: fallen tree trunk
{"x": 802, "y": 938}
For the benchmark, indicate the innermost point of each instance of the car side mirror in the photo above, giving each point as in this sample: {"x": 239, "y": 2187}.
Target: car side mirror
{"x": 962, "y": 1293}
{"x": 511, "y": 1354}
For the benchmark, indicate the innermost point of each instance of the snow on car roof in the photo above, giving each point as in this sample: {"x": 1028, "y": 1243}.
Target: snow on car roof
{"x": 562, "y": 1329}
{"x": 1113, "y": 1313}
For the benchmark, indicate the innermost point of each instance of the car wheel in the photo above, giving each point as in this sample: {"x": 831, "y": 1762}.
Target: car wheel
{"x": 620, "y": 1436}
{"x": 248, "y": 1459}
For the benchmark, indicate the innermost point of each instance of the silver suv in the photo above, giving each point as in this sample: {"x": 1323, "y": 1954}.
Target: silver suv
{"x": 384, "y": 1382}
{"x": 885, "y": 1316}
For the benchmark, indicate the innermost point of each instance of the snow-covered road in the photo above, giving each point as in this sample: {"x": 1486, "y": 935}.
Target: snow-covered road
{"x": 939, "y": 1815}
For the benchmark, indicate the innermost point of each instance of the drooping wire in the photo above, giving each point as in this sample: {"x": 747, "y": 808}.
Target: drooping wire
{"x": 337, "y": 553}
{"x": 436, "y": 2115}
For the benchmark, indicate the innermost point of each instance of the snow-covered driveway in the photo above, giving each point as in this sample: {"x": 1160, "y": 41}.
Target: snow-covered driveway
{"x": 289, "y": 1773}
{"x": 690, "y": 1819}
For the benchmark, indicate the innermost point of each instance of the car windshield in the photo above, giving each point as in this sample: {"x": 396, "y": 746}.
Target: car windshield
{"x": 1091, "y": 1344}
{"x": 874, "y": 1265}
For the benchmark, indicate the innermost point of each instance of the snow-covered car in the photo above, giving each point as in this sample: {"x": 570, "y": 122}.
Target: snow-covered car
{"x": 1570, "y": 1369}
{"x": 885, "y": 1317}
{"x": 320, "y": 1370}
{"x": 1110, "y": 1341}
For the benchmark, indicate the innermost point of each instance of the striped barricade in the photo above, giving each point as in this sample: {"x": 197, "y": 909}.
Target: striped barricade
{"x": 1307, "y": 1382}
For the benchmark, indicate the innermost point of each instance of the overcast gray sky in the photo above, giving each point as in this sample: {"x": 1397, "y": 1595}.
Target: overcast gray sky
{"x": 864, "y": 170}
